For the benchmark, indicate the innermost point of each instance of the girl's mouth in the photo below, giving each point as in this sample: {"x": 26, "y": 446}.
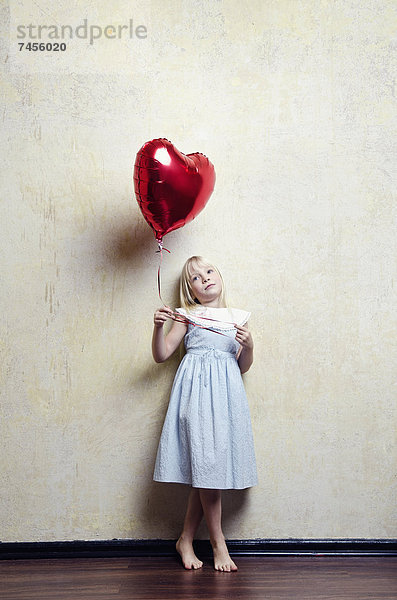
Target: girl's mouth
{"x": 209, "y": 285}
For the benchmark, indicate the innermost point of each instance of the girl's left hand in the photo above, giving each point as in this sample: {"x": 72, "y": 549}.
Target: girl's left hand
{"x": 243, "y": 337}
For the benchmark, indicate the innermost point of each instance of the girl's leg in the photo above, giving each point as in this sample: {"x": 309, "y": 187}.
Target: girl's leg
{"x": 212, "y": 505}
{"x": 184, "y": 545}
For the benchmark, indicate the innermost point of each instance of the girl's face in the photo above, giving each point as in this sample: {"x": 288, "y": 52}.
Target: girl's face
{"x": 206, "y": 284}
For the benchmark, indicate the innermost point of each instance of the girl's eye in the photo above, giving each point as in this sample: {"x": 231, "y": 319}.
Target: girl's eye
{"x": 210, "y": 271}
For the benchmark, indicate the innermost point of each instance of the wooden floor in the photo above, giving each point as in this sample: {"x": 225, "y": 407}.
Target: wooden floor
{"x": 270, "y": 578}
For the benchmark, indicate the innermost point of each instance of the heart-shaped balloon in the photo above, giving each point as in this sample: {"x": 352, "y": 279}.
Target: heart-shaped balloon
{"x": 171, "y": 187}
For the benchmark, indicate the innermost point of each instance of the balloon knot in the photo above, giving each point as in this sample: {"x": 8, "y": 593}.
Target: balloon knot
{"x": 161, "y": 247}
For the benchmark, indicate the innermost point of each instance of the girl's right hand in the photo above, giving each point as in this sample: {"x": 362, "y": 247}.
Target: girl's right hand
{"x": 161, "y": 315}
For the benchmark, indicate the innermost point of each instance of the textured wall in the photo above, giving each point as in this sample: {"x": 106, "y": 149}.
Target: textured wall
{"x": 294, "y": 102}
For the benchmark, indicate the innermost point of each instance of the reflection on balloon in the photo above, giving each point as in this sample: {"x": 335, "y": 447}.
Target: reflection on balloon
{"x": 162, "y": 156}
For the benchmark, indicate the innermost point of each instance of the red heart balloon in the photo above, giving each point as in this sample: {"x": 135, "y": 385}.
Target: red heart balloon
{"x": 171, "y": 187}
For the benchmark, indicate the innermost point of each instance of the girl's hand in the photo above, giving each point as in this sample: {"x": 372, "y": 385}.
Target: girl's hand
{"x": 161, "y": 315}
{"x": 243, "y": 337}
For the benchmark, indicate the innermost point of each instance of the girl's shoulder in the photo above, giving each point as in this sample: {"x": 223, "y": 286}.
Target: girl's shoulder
{"x": 224, "y": 316}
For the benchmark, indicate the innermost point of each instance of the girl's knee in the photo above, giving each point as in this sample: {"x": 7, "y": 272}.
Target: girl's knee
{"x": 210, "y": 495}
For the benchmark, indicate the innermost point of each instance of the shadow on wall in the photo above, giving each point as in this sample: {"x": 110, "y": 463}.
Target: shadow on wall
{"x": 132, "y": 247}
{"x": 163, "y": 507}
{"x": 128, "y": 244}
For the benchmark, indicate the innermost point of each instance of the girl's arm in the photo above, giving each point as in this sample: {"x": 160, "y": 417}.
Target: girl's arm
{"x": 245, "y": 355}
{"x": 164, "y": 346}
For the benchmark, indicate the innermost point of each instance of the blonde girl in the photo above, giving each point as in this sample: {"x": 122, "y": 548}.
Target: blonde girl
{"x": 206, "y": 441}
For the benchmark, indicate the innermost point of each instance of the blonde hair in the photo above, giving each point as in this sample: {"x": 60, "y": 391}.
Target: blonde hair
{"x": 188, "y": 300}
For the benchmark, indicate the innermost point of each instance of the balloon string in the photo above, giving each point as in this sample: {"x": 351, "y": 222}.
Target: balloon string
{"x": 160, "y": 250}
{"x": 177, "y": 316}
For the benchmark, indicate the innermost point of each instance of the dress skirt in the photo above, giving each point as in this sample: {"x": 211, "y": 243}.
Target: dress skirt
{"x": 207, "y": 439}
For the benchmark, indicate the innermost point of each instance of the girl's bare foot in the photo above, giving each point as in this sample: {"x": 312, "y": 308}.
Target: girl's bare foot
{"x": 222, "y": 560}
{"x": 189, "y": 559}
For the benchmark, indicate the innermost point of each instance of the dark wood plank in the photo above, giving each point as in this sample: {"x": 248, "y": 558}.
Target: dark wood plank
{"x": 272, "y": 578}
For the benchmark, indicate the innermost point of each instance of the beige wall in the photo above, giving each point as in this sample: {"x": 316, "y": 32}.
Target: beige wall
{"x": 294, "y": 103}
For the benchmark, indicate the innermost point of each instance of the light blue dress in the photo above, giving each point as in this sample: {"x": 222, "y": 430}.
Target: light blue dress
{"x": 207, "y": 439}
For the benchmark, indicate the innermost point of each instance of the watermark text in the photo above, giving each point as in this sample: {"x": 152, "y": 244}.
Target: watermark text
{"x": 84, "y": 31}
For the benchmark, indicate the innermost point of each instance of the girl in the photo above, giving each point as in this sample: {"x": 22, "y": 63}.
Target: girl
{"x": 206, "y": 440}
